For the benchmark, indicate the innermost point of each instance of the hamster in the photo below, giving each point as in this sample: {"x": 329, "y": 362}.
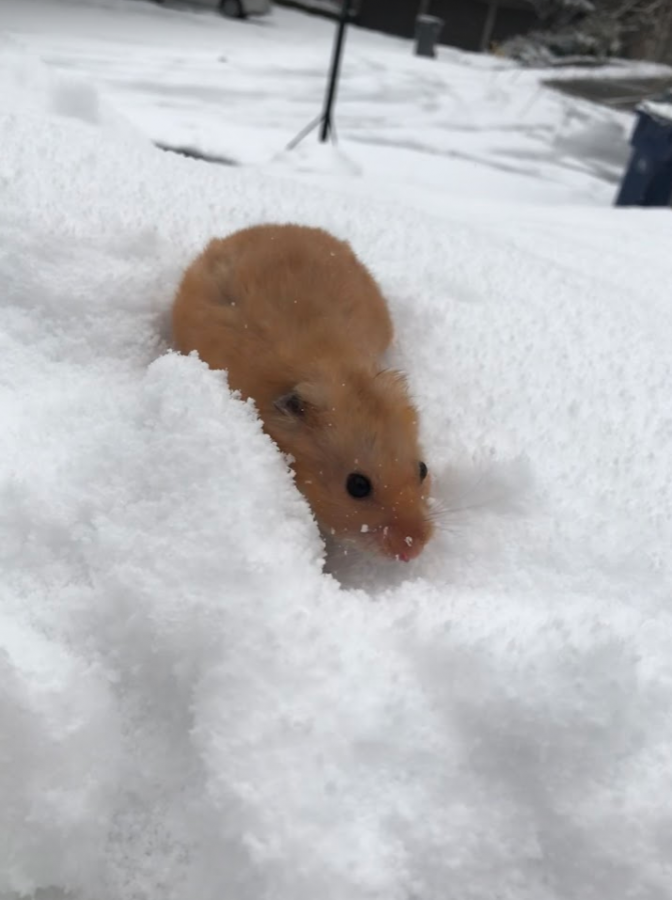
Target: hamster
{"x": 300, "y": 325}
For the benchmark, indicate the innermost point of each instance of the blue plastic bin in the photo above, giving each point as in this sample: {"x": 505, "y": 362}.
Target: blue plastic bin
{"x": 648, "y": 178}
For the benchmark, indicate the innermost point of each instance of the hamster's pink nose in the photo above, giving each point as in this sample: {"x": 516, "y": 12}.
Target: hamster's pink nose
{"x": 403, "y": 543}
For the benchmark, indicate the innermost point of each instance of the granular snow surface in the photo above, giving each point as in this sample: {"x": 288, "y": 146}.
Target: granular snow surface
{"x": 195, "y": 701}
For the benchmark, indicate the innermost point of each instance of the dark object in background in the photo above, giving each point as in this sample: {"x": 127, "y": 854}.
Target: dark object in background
{"x": 232, "y": 9}
{"x": 427, "y": 33}
{"x": 468, "y": 22}
{"x": 325, "y": 120}
{"x": 648, "y": 178}
{"x": 343, "y": 19}
{"x": 195, "y": 153}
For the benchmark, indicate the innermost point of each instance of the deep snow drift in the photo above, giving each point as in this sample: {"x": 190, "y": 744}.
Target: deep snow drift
{"x": 191, "y": 706}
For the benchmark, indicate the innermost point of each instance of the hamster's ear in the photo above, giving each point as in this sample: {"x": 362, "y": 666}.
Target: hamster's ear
{"x": 302, "y": 404}
{"x": 291, "y": 405}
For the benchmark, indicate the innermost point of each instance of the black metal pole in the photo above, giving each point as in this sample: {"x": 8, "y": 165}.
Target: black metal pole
{"x": 335, "y": 66}
{"x": 489, "y": 25}
{"x": 324, "y": 119}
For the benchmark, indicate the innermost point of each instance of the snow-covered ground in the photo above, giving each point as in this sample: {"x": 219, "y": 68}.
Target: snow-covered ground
{"x": 429, "y": 132}
{"x": 193, "y": 702}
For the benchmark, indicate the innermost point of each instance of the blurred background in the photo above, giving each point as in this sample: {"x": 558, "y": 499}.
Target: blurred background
{"x": 520, "y": 100}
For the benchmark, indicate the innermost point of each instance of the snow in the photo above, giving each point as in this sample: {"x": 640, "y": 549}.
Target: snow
{"x": 27, "y": 85}
{"x": 659, "y": 110}
{"x": 428, "y": 132}
{"x": 198, "y": 700}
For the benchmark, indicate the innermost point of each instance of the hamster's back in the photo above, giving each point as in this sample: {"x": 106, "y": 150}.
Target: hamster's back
{"x": 272, "y": 300}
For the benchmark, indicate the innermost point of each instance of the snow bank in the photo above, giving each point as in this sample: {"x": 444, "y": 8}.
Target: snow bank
{"x": 29, "y": 87}
{"x": 191, "y": 705}
{"x": 658, "y": 109}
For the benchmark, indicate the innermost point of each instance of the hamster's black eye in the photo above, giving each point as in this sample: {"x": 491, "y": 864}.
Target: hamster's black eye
{"x": 358, "y": 486}
{"x": 423, "y": 471}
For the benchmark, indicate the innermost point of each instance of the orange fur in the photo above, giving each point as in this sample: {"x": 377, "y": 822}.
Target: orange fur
{"x": 290, "y": 310}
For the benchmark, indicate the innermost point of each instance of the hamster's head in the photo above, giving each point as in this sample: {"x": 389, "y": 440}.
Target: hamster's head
{"x": 353, "y": 440}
